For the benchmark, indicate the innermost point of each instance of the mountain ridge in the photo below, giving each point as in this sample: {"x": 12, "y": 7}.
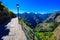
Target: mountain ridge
{"x": 33, "y": 18}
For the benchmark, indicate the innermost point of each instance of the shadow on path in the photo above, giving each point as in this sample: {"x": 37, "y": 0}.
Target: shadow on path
{"x": 3, "y": 29}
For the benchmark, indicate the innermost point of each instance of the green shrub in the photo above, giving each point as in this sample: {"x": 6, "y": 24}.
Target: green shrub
{"x": 46, "y": 35}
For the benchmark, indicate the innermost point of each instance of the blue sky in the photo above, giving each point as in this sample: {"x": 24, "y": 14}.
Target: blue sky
{"x": 42, "y": 6}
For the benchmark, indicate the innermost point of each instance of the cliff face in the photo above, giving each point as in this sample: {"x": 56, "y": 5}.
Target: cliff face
{"x": 5, "y": 14}
{"x": 57, "y": 30}
{"x": 54, "y": 17}
{"x": 50, "y": 24}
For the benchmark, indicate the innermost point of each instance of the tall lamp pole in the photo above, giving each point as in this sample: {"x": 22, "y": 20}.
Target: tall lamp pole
{"x": 17, "y": 5}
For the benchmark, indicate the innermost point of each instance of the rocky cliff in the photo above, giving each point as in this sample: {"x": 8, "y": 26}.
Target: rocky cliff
{"x": 5, "y": 13}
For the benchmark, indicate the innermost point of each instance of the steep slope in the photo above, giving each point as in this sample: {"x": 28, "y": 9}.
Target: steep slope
{"x": 54, "y": 17}
{"x": 33, "y": 18}
{"x": 5, "y": 14}
{"x": 50, "y": 24}
{"x": 57, "y": 32}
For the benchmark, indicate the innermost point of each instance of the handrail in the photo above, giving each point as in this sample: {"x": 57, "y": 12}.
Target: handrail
{"x": 30, "y": 34}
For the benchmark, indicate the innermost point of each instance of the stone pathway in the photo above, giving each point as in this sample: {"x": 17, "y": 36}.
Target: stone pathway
{"x": 16, "y": 32}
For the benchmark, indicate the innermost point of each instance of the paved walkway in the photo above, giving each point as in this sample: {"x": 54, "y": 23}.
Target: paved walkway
{"x": 16, "y": 32}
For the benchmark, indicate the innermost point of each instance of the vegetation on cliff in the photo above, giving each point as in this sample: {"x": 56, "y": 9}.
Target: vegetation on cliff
{"x": 5, "y": 13}
{"x": 47, "y": 30}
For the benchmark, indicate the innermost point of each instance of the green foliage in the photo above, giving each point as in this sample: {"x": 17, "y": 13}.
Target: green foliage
{"x": 1, "y": 6}
{"x": 5, "y": 14}
{"x": 38, "y": 28}
{"x": 23, "y": 20}
{"x": 46, "y": 35}
{"x": 12, "y": 14}
{"x": 52, "y": 26}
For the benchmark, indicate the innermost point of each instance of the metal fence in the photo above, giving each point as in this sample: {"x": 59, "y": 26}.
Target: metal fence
{"x": 29, "y": 32}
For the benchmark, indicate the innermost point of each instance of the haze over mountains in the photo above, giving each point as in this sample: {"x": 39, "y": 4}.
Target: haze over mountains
{"x": 33, "y": 18}
{"x": 46, "y": 24}
{"x": 37, "y": 26}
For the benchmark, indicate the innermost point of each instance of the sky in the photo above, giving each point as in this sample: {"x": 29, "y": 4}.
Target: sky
{"x": 41, "y": 6}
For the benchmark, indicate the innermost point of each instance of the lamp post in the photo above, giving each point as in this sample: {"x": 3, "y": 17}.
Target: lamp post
{"x": 17, "y": 5}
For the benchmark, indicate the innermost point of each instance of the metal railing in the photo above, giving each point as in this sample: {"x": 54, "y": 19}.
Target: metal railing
{"x": 29, "y": 32}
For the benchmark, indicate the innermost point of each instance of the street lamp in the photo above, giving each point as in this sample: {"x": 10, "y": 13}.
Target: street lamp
{"x": 17, "y": 5}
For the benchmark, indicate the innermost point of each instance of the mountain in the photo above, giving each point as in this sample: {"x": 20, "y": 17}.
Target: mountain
{"x": 33, "y": 18}
{"x": 50, "y": 24}
{"x": 57, "y": 30}
{"x": 54, "y": 17}
{"x": 5, "y": 13}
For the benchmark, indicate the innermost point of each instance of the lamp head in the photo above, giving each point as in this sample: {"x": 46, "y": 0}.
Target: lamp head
{"x": 17, "y": 5}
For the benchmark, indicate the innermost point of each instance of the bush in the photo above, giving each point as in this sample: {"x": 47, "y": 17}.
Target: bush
{"x": 46, "y": 35}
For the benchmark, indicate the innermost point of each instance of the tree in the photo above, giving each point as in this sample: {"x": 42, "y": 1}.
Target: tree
{"x": 1, "y": 6}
